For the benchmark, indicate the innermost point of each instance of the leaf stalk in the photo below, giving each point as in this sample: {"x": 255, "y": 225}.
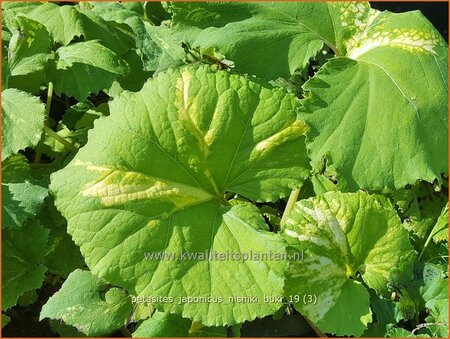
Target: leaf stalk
{"x": 38, "y": 155}
{"x": 290, "y": 204}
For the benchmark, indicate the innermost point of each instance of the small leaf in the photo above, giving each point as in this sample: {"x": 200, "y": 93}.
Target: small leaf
{"x": 440, "y": 229}
{"x": 22, "y": 195}
{"x": 78, "y": 303}
{"x": 420, "y": 206}
{"x": 22, "y": 120}
{"x": 157, "y": 47}
{"x": 85, "y": 67}
{"x": 171, "y": 52}
{"x": 23, "y": 253}
{"x": 435, "y": 294}
{"x": 29, "y": 47}
{"x": 63, "y": 22}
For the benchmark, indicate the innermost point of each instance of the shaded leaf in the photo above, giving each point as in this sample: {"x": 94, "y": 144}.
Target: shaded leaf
{"x": 22, "y": 195}
{"x": 23, "y": 252}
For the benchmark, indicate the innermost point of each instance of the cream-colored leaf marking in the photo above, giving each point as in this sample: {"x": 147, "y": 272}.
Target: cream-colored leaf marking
{"x": 352, "y": 14}
{"x": 120, "y": 187}
{"x": 410, "y": 40}
{"x": 187, "y": 104}
{"x": 308, "y": 238}
{"x": 325, "y": 220}
{"x": 358, "y": 23}
{"x": 290, "y": 132}
{"x": 358, "y": 18}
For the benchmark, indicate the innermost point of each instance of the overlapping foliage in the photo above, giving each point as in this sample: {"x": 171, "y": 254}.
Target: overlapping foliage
{"x": 136, "y": 128}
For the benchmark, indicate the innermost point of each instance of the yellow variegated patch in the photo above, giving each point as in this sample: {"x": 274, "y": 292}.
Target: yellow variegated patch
{"x": 119, "y": 187}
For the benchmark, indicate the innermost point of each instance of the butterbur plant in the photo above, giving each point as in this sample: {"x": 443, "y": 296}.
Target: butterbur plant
{"x": 207, "y": 169}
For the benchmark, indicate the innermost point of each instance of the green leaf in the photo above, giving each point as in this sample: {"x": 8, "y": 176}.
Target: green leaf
{"x": 268, "y": 39}
{"x": 8, "y": 5}
{"x": 25, "y": 54}
{"x": 435, "y": 295}
{"x": 23, "y": 252}
{"x": 118, "y": 12}
{"x": 85, "y": 67}
{"x": 63, "y": 22}
{"x": 397, "y": 332}
{"x": 384, "y": 309}
{"x": 156, "y": 45}
{"x": 11, "y": 9}
{"x": 5, "y": 320}
{"x": 32, "y": 83}
{"x": 163, "y": 325}
{"x": 420, "y": 206}
{"x": 141, "y": 311}
{"x": 22, "y": 120}
{"x": 6, "y": 36}
{"x": 395, "y": 127}
{"x": 153, "y": 177}
{"x": 440, "y": 229}
{"x": 63, "y": 256}
{"x": 83, "y": 114}
{"x": 171, "y": 52}
{"x": 134, "y": 79}
{"x": 341, "y": 247}
{"x": 65, "y": 331}
{"x": 29, "y": 50}
{"x": 81, "y": 303}
{"x": 117, "y": 37}
{"x": 22, "y": 195}
{"x": 340, "y": 319}
{"x": 156, "y": 12}
{"x": 406, "y": 307}
{"x": 321, "y": 184}
{"x": 67, "y": 23}
{"x": 28, "y": 298}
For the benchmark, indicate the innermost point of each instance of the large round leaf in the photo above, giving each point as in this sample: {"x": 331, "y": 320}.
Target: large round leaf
{"x": 345, "y": 236}
{"x": 152, "y": 178}
{"x": 379, "y": 116}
